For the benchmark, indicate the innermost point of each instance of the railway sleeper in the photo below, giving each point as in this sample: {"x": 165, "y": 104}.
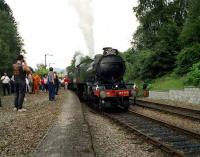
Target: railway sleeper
{"x": 154, "y": 133}
{"x": 189, "y": 142}
{"x": 147, "y": 127}
{"x": 189, "y": 153}
{"x": 171, "y": 139}
{"x": 161, "y": 133}
{"x": 184, "y": 146}
{"x": 142, "y": 123}
{"x": 192, "y": 154}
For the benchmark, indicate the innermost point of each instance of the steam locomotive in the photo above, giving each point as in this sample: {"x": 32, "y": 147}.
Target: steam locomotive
{"x": 100, "y": 80}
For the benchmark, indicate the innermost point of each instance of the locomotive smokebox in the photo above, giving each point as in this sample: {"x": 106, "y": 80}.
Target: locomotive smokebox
{"x": 111, "y": 66}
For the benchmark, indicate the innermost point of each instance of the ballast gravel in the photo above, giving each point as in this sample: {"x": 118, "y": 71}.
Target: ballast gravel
{"x": 112, "y": 140}
{"x": 172, "y": 103}
{"x": 178, "y": 121}
{"x": 21, "y": 132}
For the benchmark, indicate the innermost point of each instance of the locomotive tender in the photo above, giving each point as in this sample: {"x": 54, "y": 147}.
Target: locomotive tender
{"x": 101, "y": 80}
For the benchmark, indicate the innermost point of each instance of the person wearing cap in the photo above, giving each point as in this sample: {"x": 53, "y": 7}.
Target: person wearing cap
{"x": 20, "y": 69}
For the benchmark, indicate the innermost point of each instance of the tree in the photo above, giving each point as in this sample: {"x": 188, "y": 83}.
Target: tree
{"x": 190, "y": 39}
{"x": 191, "y": 30}
{"x": 186, "y": 58}
{"x": 41, "y": 70}
{"x": 193, "y": 77}
{"x": 10, "y": 42}
{"x": 161, "y": 23}
{"x": 70, "y": 69}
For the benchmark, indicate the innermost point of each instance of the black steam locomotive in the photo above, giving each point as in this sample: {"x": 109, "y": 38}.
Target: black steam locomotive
{"x": 100, "y": 80}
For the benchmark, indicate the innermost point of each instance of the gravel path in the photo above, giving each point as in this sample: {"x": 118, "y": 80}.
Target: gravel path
{"x": 21, "y": 132}
{"x": 112, "y": 140}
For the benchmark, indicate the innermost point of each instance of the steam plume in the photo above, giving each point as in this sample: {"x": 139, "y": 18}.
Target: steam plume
{"x": 84, "y": 11}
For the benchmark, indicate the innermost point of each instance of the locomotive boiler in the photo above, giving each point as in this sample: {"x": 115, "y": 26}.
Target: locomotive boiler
{"x": 100, "y": 80}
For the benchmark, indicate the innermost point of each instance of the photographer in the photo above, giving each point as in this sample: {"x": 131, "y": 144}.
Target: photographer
{"x": 20, "y": 69}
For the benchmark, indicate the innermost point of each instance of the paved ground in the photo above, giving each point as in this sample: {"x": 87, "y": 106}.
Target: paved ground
{"x": 70, "y": 134}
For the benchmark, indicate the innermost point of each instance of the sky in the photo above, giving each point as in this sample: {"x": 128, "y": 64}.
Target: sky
{"x": 62, "y": 27}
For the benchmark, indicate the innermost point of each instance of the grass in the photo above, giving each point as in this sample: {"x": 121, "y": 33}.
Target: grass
{"x": 167, "y": 83}
{"x": 164, "y": 83}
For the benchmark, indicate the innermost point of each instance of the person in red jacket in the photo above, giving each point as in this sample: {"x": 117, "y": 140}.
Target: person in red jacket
{"x": 66, "y": 82}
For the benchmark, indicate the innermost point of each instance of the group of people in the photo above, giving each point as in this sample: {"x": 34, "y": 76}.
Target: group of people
{"x": 23, "y": 80}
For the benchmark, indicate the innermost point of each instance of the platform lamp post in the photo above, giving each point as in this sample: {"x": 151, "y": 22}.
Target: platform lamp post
{"x": 46, "y": 59}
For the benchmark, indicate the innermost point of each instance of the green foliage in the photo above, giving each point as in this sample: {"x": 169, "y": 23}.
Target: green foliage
{"x": 191, "y": 29}
{"x": 186, "y": 58}
{"x": 193, "y": 77}
{"x": 70, "y": 69}
{"x": 156, "y": 40}
{"x": 10, "y": 41}
{"x": 132, "y": 65}
{"x": 4, "y": 56}
{"x": 167, "y": 82}
{"x": 155, "y": 15}
{"x": 147, "y": 64}
{"x": 144, "y": 64}
{"x": 41, "y": 70}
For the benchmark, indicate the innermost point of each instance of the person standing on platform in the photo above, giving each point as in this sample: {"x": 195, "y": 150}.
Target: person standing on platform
{"x": 30, "y": 80}
{"x": 51, "y": 84}
{"x": 12, "y": 84}
{"x": 45, "y": 83}
{"x": 36, "y": 82}
{"x": 57, "y": 82}
{"x": 66, "y": 82}
{"x": 5, "y": 84}
{"x": 20, "y": 69}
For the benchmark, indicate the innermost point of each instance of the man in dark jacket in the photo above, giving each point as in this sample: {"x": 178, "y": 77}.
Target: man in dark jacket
{"x": 20, "y": 69}
{"x": 57, "y": 82}
{"x": 51, "y": 84}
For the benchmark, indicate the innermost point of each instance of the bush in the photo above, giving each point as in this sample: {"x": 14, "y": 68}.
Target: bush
{"x": 186, "y": 58}
{"x": 193, "y": 77}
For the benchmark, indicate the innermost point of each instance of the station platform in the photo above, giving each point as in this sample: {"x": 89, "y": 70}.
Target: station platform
{"x": 69, "y": 136}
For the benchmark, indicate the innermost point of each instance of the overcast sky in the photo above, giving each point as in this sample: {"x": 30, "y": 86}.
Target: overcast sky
{"x": 57, "y": 27}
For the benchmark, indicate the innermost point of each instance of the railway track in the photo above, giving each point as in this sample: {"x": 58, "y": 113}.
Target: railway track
{"x": 185, "y": 112}
{"x": 174, "y": 140}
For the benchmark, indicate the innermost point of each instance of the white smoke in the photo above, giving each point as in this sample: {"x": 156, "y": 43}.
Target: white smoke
{"x": 78, "y": 59}
{"x": 85, "y": 13}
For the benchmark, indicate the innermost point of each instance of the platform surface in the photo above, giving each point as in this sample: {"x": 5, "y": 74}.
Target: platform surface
{"x": 69, "y": 136}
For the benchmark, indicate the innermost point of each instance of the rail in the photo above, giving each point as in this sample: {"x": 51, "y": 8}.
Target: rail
{"x": 171, "y": 139}
{"x": 181, "y": 111}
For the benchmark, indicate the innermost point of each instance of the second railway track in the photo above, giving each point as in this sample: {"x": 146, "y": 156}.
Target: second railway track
{"x": 177, "y": 141}
{"x": 185, "y": 112}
